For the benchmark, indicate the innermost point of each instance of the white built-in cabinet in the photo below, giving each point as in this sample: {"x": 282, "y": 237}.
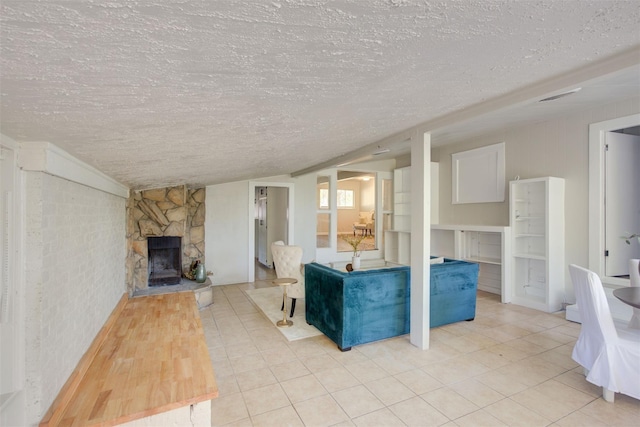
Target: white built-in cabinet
{"x": 523, "y": 263}
{"x": 402, "y": 199}
{"x": 488, "y": 246}
{"x": 536, "y": 208}
{"x": 397, "y": 241}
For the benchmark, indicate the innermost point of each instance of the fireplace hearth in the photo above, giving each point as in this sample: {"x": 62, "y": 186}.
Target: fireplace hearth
{"x": 165, "y": 261}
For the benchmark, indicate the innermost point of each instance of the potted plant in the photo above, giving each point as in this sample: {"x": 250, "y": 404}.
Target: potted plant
{"x": 354, "y": 242}
{"x": 630, "y": 237}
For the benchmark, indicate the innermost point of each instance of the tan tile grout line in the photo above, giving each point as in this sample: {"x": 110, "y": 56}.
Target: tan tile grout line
{"x": 548, "y": 324}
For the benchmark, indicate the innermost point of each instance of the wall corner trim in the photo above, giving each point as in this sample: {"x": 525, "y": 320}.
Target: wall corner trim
{"x": 48, "y": 158}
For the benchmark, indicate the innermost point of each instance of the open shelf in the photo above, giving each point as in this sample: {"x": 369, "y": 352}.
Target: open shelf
{"x": 488, "y": 246}
{"x": 537, "y": 218}
{"x": 484, "y": 260}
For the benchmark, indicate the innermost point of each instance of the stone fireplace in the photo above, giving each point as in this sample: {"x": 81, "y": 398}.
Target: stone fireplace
{"x": 175, "y": 212}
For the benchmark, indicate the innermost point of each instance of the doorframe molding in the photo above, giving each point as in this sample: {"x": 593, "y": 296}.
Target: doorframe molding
{"x": 597, "y": 133}
{"x": 251, "y": 271}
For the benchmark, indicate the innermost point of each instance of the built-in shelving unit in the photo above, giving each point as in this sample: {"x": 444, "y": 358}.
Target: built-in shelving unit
{"x": 536, "y": 209}
{"x": 489, "y": 246}
{"x": 402, "y": 199}
{"x": 397, "y": 241}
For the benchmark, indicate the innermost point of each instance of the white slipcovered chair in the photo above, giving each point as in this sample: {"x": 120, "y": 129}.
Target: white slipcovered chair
{"x": 609, "y": 353}
{"x": 366, "y": 223}
{"x": 288, "y": 263}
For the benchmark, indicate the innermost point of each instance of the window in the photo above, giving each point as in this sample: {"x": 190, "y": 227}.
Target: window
{"x": 324, "y": 198}
{"x": 345, "y": 199}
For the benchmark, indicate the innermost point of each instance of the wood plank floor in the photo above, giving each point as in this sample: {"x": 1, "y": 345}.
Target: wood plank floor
{"x": 155, "y": 359}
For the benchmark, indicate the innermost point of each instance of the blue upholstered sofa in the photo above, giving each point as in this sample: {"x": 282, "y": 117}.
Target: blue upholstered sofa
{"x": 369, "y": 305}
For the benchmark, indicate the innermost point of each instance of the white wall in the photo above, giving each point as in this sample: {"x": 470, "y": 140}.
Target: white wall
{"x": 558, "y": 147}
{"x": 229, "y": 210}
{"x": 227, "y": 233}
{"x": 75, "y": 256}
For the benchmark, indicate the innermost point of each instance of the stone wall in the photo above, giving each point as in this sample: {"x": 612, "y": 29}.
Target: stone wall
{"x": 174, "y": 211}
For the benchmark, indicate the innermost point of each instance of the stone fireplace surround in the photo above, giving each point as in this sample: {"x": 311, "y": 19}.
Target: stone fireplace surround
{"x": 174, "y": 211}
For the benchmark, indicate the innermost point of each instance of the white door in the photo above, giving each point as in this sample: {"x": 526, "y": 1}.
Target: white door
{"x": 622, "y": 201}
{"x": 262, "y": 225}
{"x": 277, "y": 227}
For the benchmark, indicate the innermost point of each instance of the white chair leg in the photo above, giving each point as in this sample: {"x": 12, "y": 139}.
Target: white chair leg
{"x": 608, "y": 395}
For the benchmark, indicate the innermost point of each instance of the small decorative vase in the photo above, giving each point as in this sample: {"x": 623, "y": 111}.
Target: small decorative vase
{"x": 355, "y": 262}
{"x": 201, "y": 273}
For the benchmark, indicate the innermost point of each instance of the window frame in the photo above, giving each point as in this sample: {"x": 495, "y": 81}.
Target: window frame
{"x": 345, "y": 198}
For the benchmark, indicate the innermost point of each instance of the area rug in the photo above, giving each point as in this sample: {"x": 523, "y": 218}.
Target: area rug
{"x": 269, "y": 301}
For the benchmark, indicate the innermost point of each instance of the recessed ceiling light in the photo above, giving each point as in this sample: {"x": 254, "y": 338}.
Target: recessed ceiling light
{"x": 561, "y": 95}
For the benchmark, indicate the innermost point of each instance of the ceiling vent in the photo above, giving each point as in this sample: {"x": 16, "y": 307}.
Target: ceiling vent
{"x": 561, "y": 95}
{"x": 380, "y": 151}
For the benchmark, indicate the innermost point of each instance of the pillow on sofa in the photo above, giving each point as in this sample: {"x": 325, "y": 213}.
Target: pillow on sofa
{"x": 437, "y": 260}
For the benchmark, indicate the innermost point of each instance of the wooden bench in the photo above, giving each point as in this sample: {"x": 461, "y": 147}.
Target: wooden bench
{"x": 149, "y": 363}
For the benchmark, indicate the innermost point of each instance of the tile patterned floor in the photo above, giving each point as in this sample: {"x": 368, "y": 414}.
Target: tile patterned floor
{"x": 511, "y": 366}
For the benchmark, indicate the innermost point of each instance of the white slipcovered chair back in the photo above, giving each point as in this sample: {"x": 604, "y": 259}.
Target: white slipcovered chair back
{"x": 288, "y": 263}
{"x": 611, "y": 356}
{"x": 597, "y": 323}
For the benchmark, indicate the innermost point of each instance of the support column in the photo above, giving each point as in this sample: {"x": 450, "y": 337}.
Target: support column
{"x": 420, "y": 239}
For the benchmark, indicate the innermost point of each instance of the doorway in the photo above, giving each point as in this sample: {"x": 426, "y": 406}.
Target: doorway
{"x": 614, "y": 208}
{"x": 12, "y": 295}
{"x": 271, "y": 221}
{"x": 352, "y": 203}
{"x": 284, "y": 193}
{"x": 356, "y": 203}
{"x": 622, "y": 203}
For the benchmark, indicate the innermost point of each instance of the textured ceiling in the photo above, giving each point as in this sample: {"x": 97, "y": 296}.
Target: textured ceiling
{"x": 157, "y": 93}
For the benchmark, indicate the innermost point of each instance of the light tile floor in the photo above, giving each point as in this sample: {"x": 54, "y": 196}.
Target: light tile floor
{"x": 511, "y": 366}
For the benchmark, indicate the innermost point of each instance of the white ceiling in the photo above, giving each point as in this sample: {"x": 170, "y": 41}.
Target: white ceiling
{"x": 157, "y": 93}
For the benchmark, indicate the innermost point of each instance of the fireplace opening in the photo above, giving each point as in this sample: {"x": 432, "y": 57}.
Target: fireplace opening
{"x": 165, "y": 260}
